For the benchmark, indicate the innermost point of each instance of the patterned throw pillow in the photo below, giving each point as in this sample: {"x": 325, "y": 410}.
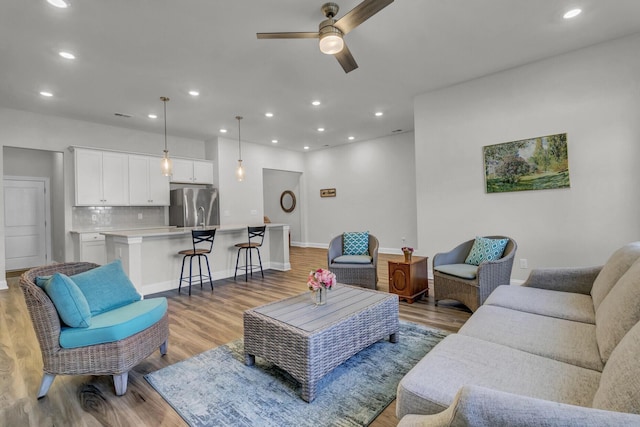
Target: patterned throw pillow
{"x": 486, "y": 250}
{"x": 355, "y": 243}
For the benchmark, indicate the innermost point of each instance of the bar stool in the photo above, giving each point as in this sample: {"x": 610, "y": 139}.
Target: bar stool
{"x": 199, "y": 238}
{"x": 248, "y": 267}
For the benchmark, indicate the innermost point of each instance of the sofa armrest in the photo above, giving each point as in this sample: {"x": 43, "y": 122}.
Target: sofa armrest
{"x": 576, "y": 280}
{"x": 480, "y": 406}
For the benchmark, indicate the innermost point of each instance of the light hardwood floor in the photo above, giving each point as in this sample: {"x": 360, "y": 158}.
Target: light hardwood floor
{"x": 197, "y": 323}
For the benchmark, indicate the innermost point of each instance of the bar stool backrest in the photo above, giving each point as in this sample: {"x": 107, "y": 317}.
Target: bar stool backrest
{"x": 257, "y": 233}
{"x": 202, "y": 237}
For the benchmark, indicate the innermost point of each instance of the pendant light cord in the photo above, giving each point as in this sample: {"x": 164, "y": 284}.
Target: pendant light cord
{"x": 239, "y": 144}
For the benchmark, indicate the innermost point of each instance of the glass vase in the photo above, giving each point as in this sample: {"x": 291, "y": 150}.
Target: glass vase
{"x": 320, "y": 296}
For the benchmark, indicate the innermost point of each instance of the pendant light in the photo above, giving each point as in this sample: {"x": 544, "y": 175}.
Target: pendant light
{"x": 240, "y": 170}
{"x": 165, "y": 163}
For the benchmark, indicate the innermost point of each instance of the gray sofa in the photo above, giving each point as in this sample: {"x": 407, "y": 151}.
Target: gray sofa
{"x": 563, "y": 349}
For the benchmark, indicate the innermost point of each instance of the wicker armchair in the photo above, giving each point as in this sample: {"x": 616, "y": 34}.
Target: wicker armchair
{"x": 364, "y": 275}
{"x": 472, "y": 292}
{"x": 114, "y": 358}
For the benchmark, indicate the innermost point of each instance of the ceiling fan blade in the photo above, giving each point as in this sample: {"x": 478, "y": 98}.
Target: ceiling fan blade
{"x": 288, "y": 35}
{"x": 361, "y": 13}
{"x": 345, "y": 59}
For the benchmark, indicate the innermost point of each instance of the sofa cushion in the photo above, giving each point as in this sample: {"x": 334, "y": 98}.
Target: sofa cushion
{"x": 562, "y": 305}
{"x": 116, "y": 324}
{"x": 106, "y": 287}
{"x": 558, "y": 339}
{"x": 68, "y": 299}
{"x": 465, "y": 271}
{"x": 612, "y": 271}
{"x": 485, "y": 249}
{"x": 459, "y": 360}
{"x": 353, "y": 259}
{"x": 619, "y": 385}
{"x": 619, "y": 311}
{"x": 355, "y": 243}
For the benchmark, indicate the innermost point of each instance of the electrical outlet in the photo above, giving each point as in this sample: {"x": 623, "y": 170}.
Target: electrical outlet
{"x": 94, "y": 218}
{"x": 140, "y": 215}
{"x": 524, "y": 263}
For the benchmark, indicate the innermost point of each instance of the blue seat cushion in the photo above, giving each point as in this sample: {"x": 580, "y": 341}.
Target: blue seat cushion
{"x": 353, "y": 259}
{"x": 464, "y": 271}
{"x": 116, "y": 324}
{"x": 106, "y": 287}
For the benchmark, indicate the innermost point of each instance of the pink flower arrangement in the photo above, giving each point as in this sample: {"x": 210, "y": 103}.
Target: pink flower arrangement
{"x": 321, "y": 278}
{"x": 407, "y": 249}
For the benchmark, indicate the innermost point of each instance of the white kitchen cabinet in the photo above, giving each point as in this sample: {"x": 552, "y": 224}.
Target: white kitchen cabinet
{"x": 147, "y": 185}
{"x": 192, "y": 171}
{"x": 90, "y": 247}
{"x": 101, "y": 178}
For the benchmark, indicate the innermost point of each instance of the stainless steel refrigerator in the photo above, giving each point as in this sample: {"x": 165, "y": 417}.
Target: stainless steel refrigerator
{"x": 194, "y": 207}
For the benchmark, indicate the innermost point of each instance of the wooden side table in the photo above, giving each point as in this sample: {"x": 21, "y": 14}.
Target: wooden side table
{"x": 409, "y": 279}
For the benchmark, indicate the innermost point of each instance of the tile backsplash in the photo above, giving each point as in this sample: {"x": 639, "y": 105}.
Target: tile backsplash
{"x": 87, "y": 218}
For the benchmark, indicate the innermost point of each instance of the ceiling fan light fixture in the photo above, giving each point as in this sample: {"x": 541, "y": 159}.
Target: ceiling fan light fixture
{"x": 331, "y": 41}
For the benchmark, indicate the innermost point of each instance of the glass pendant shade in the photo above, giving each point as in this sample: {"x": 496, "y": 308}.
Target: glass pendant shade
{"x": 240, "y": 171}
{"x": 165, "y": 165}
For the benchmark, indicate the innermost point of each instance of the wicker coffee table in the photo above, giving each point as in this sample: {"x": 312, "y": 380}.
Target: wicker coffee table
{"x": 309, "y": 341}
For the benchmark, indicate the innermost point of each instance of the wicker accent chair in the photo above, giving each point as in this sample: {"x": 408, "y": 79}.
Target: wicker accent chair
{"x": 472, "y": 292}
{"x": 114, "y": 358}
{"x": 363, "y": 275}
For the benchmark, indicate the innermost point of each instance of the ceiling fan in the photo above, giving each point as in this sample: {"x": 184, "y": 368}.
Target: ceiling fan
{"x": 331, "y": 30}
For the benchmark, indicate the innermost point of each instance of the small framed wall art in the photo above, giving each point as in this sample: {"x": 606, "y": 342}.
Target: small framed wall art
{"x": 328, "y": 192}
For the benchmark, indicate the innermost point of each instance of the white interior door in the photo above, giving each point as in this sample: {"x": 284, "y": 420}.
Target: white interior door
{"x": 26, "y": 216}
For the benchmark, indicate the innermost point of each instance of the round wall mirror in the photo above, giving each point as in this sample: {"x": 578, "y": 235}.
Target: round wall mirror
{"x": 288, "y": 201}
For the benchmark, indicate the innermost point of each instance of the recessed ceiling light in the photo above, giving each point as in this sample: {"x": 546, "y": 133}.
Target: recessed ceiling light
{"x": 66, "y": 55}
{"x": 306, "y": 147}
{"x": 275, "y": 141}
{"x": 351, "y": 138}
{"x": 45, "y": 93}
{"x": 152, "y": 116}
{"x": 194, "y": 93}
{"x": 572, "y": 13}
{"x": 268, "y": 114}
{"x": 320, "y": 129}
{"x": 379, "y": 113}
{"x": 58, "y": 3}
{"x": 223, "y": 131}
{"x": 315, "y": 103}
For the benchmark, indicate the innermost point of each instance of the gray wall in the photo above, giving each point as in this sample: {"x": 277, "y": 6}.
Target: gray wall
{"x": 275, "y": 182}
{"x": 594, "y": 96}
{"x": 375, "y": 191}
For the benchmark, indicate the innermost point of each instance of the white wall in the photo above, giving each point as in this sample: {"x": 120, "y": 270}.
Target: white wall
{"x": 242, "y": 202}
{"x": 275, "y": 182}
{"x": 592, "y": 94}
{"x": 29, "y": 130}
{"x": 375, "y": 191}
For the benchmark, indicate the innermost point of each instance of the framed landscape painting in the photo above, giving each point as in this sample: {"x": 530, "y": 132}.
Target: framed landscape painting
{"x": 540, "y": 163}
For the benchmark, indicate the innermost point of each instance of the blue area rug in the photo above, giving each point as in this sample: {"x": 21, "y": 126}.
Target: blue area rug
{"x": 215, "y": 388}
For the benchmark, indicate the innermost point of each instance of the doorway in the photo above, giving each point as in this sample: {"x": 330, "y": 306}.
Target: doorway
{"x": 27, "y": 218}
{"x": 275, "y": 183}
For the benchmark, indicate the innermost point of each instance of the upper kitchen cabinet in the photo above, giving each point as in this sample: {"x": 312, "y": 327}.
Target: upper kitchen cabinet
{"x": 192, "y": 171}
{"x": 147, "y": 185}
{"x": 101, "y": 178}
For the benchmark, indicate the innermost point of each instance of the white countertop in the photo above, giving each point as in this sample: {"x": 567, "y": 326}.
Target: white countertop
{"x": 177, "y": 231}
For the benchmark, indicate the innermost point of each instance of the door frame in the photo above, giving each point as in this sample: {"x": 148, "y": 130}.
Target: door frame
{"x": 47, "y": 208}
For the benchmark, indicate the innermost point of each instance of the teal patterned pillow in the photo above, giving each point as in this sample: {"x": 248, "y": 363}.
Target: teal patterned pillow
{"x": 486, "y": 250}
{"x": 355, "y": 243}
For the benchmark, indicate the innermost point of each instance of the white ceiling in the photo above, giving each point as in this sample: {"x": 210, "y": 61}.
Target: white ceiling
{"x": 129, "y": 53}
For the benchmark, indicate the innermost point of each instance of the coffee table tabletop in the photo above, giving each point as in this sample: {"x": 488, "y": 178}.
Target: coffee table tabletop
{"x": 308, "y": 341}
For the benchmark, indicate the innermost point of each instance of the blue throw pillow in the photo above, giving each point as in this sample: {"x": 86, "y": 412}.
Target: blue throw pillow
{"x": 69, "y": 301}
{"x": 486, "y": 250}
{"x": 355, "y": 243}
{"x": 106, "y": 287}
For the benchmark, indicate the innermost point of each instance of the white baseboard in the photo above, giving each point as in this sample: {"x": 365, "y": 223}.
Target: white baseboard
{"x": 3, "y": 285}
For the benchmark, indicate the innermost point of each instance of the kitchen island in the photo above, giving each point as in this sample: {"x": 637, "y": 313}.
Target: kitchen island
{"x": 151, "y": 260}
